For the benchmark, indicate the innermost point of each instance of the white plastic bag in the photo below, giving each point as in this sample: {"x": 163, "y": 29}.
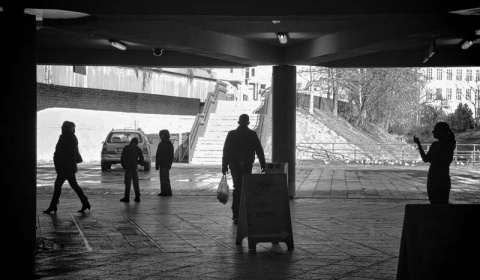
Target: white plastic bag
{"x": 223, "y": 190}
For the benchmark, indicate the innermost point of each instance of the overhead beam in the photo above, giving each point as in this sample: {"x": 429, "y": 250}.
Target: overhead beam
{"x": 358, "y": 40}
{"x": 180, "y": 37}
{"x": 115, "y": 57}
{"x": 414, "y": 58}
{"x": 253, "y": 7}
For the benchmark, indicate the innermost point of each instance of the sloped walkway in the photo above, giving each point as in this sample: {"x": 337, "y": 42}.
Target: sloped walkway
{"x": 346, "y": 222}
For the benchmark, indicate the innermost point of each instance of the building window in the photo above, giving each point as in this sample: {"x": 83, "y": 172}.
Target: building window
{"x": 82, "y": 70}
{"x": 468, "y": 94}
{"x": 438, "y": 94}
{"x": 449, "y": 74}
{"x": 247, "y": 73}
{"x": 253, "y": 72}
{"x": 477, "y": 75}
{"x": 231, "y": 70}
{"x": 439, "y": 74}
{"x": 459, "y": 94}
{"x": 449, "y": 94}
{"x": 429, "y": 73}
{"x": 429, "y": 95}
{"x": 469, "y": 75}
{"x": 459, "y": 74}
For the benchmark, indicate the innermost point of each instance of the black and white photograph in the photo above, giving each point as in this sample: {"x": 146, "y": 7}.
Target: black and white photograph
{"x": 241, "y": 140}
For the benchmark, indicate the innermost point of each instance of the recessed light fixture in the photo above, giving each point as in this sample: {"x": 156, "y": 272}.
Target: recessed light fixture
{"x": 276, "y": 21}
{"x": 282, "y": 37}
{"x": 477, "y": 32}
{"x": 467, "y": 44}
{"x": 117, "y": 44}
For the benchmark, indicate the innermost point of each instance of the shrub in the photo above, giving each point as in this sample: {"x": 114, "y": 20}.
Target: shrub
{"x": 461, "y": 119}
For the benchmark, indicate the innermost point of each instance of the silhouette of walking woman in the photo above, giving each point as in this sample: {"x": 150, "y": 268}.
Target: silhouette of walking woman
{"x": 440, "y": 156}
{"x": 65, "y": 159}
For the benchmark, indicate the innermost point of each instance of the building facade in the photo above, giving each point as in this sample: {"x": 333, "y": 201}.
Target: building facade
{"x": 454, "y": 86}
{"x": 245, "y": 83}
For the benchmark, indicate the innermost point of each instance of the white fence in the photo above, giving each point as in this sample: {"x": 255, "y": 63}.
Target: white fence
{"x": 379, "y": 152}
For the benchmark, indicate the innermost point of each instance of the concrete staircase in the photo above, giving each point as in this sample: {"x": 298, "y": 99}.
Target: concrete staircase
{"x": 209, "y": 148}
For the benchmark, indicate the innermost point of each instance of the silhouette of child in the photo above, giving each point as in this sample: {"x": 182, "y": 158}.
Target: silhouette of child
{"x": 131, "y": 156}
{"x": 440, "y": 156}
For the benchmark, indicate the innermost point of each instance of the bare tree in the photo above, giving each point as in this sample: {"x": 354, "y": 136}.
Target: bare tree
{"x": 311, "y": 75}
{"x": 383, "y": 96}
{"x": 323, "y": 80}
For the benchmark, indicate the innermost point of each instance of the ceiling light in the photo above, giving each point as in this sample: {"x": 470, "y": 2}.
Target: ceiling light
{"x": 477, "y": 32}
{"x": 275, "y": 21}
{"x": 282, "y": 37}
{"x": 119, "y": 45}
{"x": 467, "y": 44}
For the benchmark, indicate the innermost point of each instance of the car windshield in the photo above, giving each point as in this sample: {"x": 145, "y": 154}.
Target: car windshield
{"x": 124, "y": 137}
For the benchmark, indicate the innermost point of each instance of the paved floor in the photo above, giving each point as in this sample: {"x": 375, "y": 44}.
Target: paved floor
{"x": 346, "y": 222}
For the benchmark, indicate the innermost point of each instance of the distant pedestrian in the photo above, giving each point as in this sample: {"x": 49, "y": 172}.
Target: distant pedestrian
{"x": 164, "y": 160}
{"x": 239, "y": 151}
{"x": 440, "y": 155}
{"x": 65, "y": 159}
{"x": 131, "y": 156}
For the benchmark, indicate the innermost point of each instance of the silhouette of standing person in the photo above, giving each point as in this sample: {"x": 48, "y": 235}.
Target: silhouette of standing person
{"x": 440, "y": 155}
{"x": 131, "y": 156}
{"x": 65, "y": 159}
{"x": 239, "y": 151}
{"x": 163, "y": 161}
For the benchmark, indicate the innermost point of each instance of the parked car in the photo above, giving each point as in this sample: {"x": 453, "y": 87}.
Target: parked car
{"x": 117, "y": 139}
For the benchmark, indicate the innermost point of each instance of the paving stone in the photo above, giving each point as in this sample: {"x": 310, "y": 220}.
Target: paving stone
{"x": 346, "y": 223}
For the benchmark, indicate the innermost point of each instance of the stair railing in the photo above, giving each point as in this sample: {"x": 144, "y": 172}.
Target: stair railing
{"x": 262, "y": 111}
{"x": 201, "y": 120}
{"x": 185, "y": 151}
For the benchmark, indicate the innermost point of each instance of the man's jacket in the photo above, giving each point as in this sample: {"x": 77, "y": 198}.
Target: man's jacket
{"x": 164, "y": 155}
{"x": 240, "y": 148}
{"x": 131, "y": 156}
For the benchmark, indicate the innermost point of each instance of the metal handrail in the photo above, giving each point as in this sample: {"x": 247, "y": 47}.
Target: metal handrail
{"x": 202, "y": 119}
{"x": 259, "y": 122}
{"x": 259, "y": 125}
{"x": 464, "y": 153}
{"x": 181, "y": 157}
{"x": 193, "y": 136}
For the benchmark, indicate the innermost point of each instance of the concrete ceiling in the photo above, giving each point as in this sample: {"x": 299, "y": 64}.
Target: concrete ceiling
{"x": 338, "y": 33}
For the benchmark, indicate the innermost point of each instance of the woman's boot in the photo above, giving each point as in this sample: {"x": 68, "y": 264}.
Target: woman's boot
{"x": 85, "y": 204}
{"x": 53, "y": 206}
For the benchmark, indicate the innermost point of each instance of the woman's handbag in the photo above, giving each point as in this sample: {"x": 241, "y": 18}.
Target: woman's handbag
{"x": 223, "y": 190}
{"x": 78, "y": 157}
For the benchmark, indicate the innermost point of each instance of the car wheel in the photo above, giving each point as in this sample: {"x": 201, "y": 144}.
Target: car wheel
{"x": 147, "y": 166}
{"x": 105, "y": 166}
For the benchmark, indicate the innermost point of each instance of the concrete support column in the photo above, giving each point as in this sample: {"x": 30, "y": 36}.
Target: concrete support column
{"x": 284, "y": 127}
{"x": 19, "y": 126}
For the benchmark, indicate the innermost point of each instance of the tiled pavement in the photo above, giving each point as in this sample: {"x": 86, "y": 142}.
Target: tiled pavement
{"x": 346, "y": 221}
